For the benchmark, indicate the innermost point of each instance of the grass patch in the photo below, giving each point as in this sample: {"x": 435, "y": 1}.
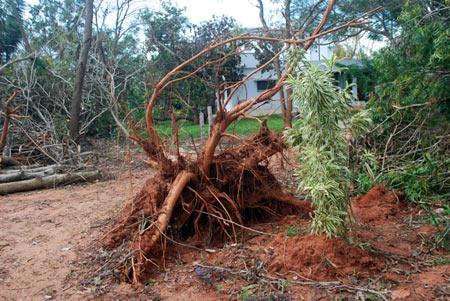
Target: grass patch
{"x": 440, "y": 261}
{"x": 186, "y": 129}
{"x": 292, "y": 231}
{"x": 241, "y": 127}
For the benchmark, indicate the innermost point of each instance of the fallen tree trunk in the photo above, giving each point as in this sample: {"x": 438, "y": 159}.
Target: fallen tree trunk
{"x": 48, "y": 181}
{"x": 24, "y": 175}
{"x": 34, "y": 168}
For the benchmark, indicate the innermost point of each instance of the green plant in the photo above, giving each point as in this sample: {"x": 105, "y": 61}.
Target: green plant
{"x": 292, "y": 231}
{"x": 324, "y": 112}
{"x": 245, "y": 294}
{"x": 441, "y": 221}
{"x": 440, "y": 261}
{"x": 283, "y": 284}
{"x": 151, "y": 281}
{"x": 364, "y": 173}
{"x": 219, "y": 287}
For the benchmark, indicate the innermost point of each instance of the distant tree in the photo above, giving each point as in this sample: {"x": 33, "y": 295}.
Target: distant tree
{"x": 217, "y": 79}
{"x": 264, "y": 51}
{"x": 384, "y": 24}
{"x": 10, "y": 24}
{"x": 170, "y": 39}
{"x": 415, "y": 68}
{"x": 166, "y": 33}
{"x": 54, "y": 26}
{"x": 119, "y": 66}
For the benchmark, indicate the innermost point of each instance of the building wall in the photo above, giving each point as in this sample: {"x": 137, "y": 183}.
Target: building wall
{"x": 249, "y": 90}
{"x": 319, "y": 52}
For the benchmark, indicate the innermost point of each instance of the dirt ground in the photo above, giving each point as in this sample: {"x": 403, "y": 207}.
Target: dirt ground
{"x": 43, "y": 232}
{"x": 49, "y": 250}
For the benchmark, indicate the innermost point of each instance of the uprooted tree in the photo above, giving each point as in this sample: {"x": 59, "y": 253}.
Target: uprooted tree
{"x": 207, "y": 197}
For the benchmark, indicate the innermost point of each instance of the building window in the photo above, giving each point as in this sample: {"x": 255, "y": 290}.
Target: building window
{"x": 262, "y": 85}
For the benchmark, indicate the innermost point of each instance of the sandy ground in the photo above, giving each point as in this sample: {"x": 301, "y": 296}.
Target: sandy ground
{"x": 42, "y": 233}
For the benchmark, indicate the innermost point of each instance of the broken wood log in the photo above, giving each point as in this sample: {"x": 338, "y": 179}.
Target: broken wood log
{"x": 20, "y": 175}
{"x": 32, "y": 168}
{"x": 48, "y": 181}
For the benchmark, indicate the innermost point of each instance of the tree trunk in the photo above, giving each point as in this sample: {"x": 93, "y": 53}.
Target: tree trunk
{"x": 285, "y": 106}
{"x": 26, "y": 41}
{"x": 74, "y": 126}
{"x": 47, "y": 182}
{"x": 288, "y": 95}
{"x": 25, "y": 175}
{"x": 5, "y": 160}
{"x": 278, "y": 71}
{"x": 289, "y": 108}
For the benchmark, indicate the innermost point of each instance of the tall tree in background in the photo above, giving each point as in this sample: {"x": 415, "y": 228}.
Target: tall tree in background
{"x": 384, "y": 24}
{"x": 10, "y": 22}
{"x": 170, "y": 39}
{"x": 74, "y": 126}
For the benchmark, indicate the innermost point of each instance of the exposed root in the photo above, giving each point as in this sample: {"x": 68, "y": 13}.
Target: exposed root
{"x": 188, "y": 205}
{"x": 150, "y": 234}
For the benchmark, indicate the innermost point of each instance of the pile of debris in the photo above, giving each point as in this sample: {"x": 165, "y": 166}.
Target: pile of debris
{"x": 31, "y": 159}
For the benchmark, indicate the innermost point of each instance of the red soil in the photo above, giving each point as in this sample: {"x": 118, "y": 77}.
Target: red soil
{"x": 321, "y": 258}
{"x": 377, "y": 205}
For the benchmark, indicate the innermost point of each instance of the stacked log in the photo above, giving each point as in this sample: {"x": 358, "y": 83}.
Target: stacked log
{"x": 39, "y": 177}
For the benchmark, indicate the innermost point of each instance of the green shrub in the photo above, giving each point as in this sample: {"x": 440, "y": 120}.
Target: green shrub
{"x": 324, "y": 112}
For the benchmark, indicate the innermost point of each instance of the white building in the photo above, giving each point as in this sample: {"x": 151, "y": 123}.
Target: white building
{"x": 262, "y": 81}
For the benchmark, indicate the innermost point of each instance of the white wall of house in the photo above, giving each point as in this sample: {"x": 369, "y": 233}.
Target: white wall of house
{"x": 318, "y": 52}
{"x": 255, "y": 86}
{"x": 260, "y": 81}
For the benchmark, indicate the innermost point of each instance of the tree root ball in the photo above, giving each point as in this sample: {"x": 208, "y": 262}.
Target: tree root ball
{"x": 188, "y": 205}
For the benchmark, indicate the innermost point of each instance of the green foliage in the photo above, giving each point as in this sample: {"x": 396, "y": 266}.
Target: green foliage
{"x": 219, "y": 287}
{"x": 246, "y": 294}
{"x": 425, "y": 182}
{"x": 415, "y": 69}
{"x": 324, "y": 111}
{"x": 441, "y": 261}
{"x": 360, "y": 123}
{"x": 366, "y": 176}
{"x": 420, "y": 180}
{"x": 366, "y": 76}
{"x": 410, "y": 105}
{"x": 292, "y": 231}
{"x": 171, "y": 39}
{"x": 11, "y": 12}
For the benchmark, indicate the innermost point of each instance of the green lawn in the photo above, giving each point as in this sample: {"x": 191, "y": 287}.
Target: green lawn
{"x": 240, "y": 127}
